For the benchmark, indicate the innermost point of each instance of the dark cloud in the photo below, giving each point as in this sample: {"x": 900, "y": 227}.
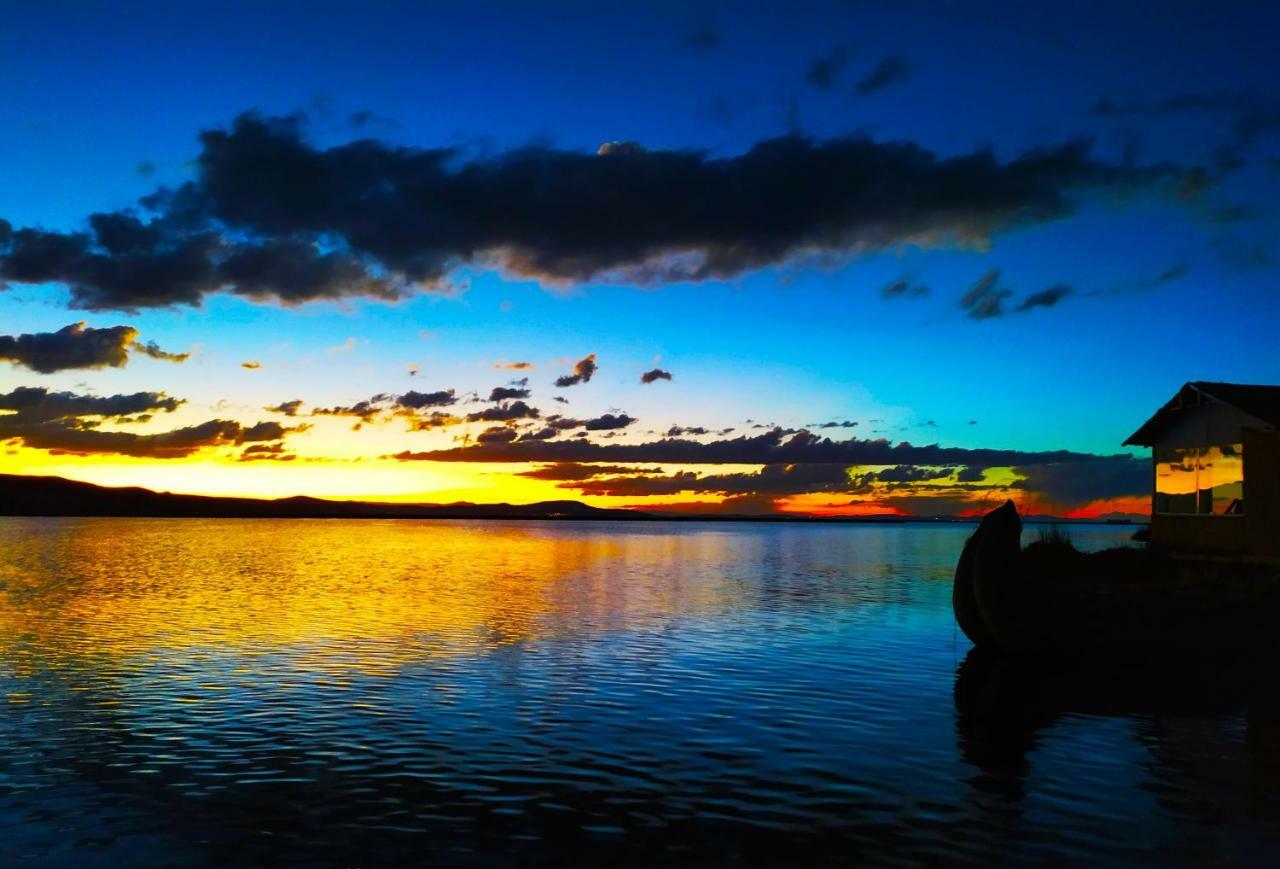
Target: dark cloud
{"x": 1242, "y": 255}
{"x": 891, "y": 70}
{"x": 1251, "y": 116}
{"x": 266, "y": 453}
{"x": 288, "y": 408}
{"x": 274, "y": 456}
{"x": 568, "y": 471}
{"x": 266, "y": 431}
{"x": 904, "y": 288}
{"x": 79, "y": 346}
{"x": 502, "y": 393}
{"x": 39, "y": 404}
{"x": 559, "y": 422}
{"x": 985, "y": 299}
{"x": 69, "y": 423}
{"x": 1045, "y": 298}
{"x": 970, "y": 475}
{"x": 125, "y": 264}
{"x": 1146, "y": 283}
{"x": 1227, "y": 159}
{"x": 293, "y": 272}
{"x": 772, "y": 447}
{"x": 824, "y": 71}
{"x": 901, "y": 474}
{"x": 608, "y": 422}
{"x": 774, "y": 480}
{"x": 498, "y": 434}
{"x": 150, "y": 349}
{"x": 271, "y": 217}
{"x": 366, "y": 410}
{"x": 63, "y": 438}
{"x": 408, "y": 405}
{"x": 1063, "y": 486}
{"x": 434, "y": 420}
{"x": 1230, "y": 214}
{"x": 655, "y": 374}
{"x": 583, "y": 370}
{"x": 678, "y": 431}
{"x": 545, "y": 433}
{"x": 419, "y": 400}
{"x": 1166, "y": 277}
{"x": 704, "y": 38}
{"x": 504, "y": 412}
{"x": 637, "y": 486}
{"x": 365, "y": 118}
{"x": 844, "y": 423}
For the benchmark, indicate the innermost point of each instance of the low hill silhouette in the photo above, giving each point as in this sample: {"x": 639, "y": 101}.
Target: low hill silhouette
{"x": 23, "y": 495}
{"x": 55, "y": 496}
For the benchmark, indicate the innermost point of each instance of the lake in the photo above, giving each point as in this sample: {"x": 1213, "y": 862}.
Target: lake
{"x": 337, "y": 692}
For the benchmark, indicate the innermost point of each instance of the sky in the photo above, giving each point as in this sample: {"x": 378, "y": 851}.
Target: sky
{"x": 830, "y": 258}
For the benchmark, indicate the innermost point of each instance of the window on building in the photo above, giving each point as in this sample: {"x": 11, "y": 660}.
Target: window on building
{"x": 1224, "y": 467}
{"x": 1204, "y": 480}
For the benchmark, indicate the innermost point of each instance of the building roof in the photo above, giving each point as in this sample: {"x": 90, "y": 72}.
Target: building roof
{"x": 1260, "y": 402}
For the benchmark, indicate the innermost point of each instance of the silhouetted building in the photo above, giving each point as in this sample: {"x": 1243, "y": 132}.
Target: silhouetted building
{"x": 1216, "y": 469}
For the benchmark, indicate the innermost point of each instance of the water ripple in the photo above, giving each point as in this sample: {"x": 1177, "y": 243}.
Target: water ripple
{"x": 191, "y": 692}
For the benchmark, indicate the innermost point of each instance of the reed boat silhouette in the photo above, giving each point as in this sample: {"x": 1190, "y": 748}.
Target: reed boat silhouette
{"x": 1126, "y": 603}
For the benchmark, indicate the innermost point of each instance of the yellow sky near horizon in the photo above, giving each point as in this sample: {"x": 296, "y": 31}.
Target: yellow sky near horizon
{"x": 384, "y": 479}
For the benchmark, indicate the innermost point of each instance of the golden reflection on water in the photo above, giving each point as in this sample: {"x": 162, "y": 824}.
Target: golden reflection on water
{"x": 369, "y": 595}
{"x": 368, "y": 692}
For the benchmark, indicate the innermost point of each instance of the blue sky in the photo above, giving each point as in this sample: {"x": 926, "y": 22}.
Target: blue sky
{"x": 103, "y": 104}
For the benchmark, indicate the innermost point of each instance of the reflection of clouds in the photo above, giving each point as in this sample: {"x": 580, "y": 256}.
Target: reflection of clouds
{"x": 1215, "y": 473}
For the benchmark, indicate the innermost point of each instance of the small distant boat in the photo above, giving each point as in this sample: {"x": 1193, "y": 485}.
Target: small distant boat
{"x": 1130, "y": 603}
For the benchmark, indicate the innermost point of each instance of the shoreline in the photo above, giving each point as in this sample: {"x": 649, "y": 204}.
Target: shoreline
{"x": 54, "y": 497}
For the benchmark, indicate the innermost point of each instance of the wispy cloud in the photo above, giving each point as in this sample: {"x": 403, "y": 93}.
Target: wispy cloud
{"x": 891, "y": 70}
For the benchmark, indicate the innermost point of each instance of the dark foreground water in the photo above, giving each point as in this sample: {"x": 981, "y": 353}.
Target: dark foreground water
{"x": 374, "y": 693}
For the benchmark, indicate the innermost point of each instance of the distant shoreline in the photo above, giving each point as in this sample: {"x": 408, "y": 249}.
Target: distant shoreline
{"x": 58, "y": 497}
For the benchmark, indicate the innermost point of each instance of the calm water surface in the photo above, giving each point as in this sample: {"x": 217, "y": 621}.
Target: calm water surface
{"x": 342, "y": 692}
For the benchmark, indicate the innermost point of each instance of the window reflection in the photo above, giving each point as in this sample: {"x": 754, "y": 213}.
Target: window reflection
{"x": 1225, "y": 466}
{"x": 1206, "y": 480}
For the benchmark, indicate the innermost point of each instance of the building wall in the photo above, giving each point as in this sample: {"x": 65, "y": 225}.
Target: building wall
{"x": 1210, "y": 422}
{"x": 1201, "y": 532}
{"x": 1257, "y": 532}
{"x": 1262, "y": 492}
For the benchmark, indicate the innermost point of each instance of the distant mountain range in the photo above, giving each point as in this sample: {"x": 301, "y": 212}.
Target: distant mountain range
{"x": 54, "y": 496}
{"x": 22, "y": 495}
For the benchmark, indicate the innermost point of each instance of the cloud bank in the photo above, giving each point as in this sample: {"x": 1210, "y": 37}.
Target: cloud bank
{"x": 79, "y": 346}
{"x": 70, "y": 423}
{"x": 271, "y": 217}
